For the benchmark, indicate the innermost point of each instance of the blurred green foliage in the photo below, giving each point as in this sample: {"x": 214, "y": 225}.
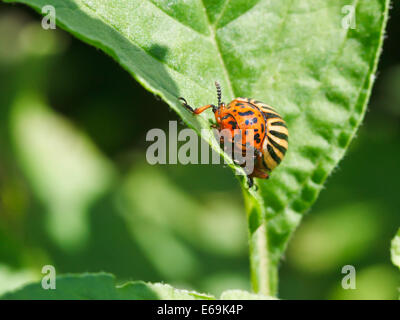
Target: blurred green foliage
{"x": 102, "y": 286}
{"x": 75, "y": 191}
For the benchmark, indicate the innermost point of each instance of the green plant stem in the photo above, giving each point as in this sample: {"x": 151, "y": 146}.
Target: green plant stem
{"x": 259, "y": 261}
{"x": 263, "y": 272}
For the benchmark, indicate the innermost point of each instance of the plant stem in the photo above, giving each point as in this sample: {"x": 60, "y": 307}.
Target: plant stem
{"x": 263, "y": 271}
{"x": 260, "y": 261}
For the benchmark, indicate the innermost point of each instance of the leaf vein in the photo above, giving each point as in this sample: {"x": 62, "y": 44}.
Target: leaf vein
{"x": 180, "y": 22}
{"x": 241, "y": 14}
{"x": 215, "y": 42}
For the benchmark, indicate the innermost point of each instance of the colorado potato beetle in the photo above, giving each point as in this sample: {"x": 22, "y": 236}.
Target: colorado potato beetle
{"x": 270, "y": 131}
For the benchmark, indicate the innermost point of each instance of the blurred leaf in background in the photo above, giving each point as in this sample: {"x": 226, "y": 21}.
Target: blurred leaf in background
{"x": 11, "y": 279}
{"x": 65, "y": 170}
{"x": 395, "y": 250}
{"x": 52, "y": 90}
{"x": 102, "y": 286}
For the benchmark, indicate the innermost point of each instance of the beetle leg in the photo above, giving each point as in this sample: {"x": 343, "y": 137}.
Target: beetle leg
{"x": 197, "y": 110}
{"x": 186, "y": 105}
{"x": 201, "y": 109}
{"x": 250, "y": 181}
{"x": 257, "y": 173}
{"x": 258, "y": 153}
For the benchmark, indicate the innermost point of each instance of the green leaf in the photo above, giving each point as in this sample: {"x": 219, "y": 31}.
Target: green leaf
{"x": 11, "y": 279}
{"x": 395, "y": 249}
{"x": 40, "y": 137}
{"x": 294, "y": 55}
{"x": 102, "y": 286}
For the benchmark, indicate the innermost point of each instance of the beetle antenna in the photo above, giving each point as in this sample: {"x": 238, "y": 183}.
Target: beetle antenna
{"x": 219, "y": 94}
